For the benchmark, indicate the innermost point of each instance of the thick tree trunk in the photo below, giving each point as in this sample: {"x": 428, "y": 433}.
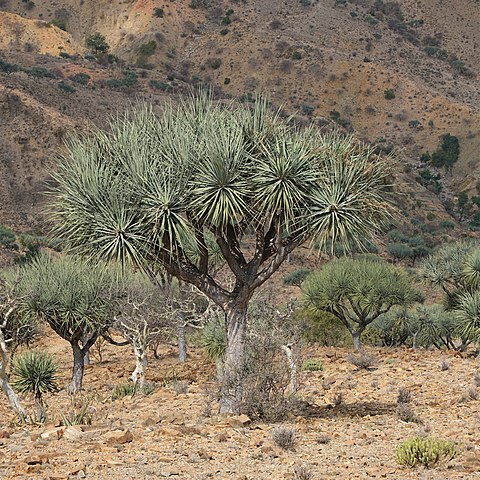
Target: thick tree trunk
{"x": 141, "y": 362}
{"x": 356, "y": 335}
{"x": 234, "y": 360}
{"x": 182, "y": 341}
{"x": 7, "y": 389}
{"x": 78, "y": 368}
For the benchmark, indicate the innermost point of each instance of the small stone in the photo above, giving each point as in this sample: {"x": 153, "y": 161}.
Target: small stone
{"x": 239, "y": 421}
{"x": 4, "y": 434}
{"x": 149, "y": 422}
{"x": 118, "y": 437}
{"x": 73, "y": 432}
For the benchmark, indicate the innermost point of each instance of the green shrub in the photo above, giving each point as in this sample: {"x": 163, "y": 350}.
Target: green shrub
{"x": 296, "y": 55}
{"x": 214, "y": 63}
{"x": 389, "y": 94}
{"x": 40, "y": 72}
{"x": 160, "y": 85}
{"x": 312, "y": 365}
{"x": 447, "y": 225}
{"x": 97, "y": 44}
{"x": 80, "y": 78}
{"x": 214, "y": 339}
{"x": 158, "y": 12}
{"x": 426, "y": 451}
{"x": 65, "y": 87}
{"x": 59, "y": 23}
{"x": 124, "y": 390}
{"x": 146, "y": 50}
{"x": 130, "y": 389}
{"x": 79, "y": 414}
{"x": 297, "y": 277}
{"x": 129, "y": 79}
{"x": 324, "y": 328}
{"x": 6, "y": 67}
{"x": 7, "y": 237}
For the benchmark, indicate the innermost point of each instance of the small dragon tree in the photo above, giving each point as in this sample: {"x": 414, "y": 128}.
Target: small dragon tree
{"x": 76, "y": 298}
{"x": 358, "y": 291}
{"x": 156, "y": 184}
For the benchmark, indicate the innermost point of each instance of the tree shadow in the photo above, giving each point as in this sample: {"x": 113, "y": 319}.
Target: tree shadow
{"x": 347, "y": 410}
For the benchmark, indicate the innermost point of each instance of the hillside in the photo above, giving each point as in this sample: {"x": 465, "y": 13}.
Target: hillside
{"x": 330, "y": 61}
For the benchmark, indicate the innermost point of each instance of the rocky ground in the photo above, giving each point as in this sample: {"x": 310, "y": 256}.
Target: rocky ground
{"x": 350, "y": 429}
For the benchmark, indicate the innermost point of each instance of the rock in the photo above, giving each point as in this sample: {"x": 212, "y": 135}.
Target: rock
{"x": 52, "y": 433}
{"x": 118, "y": 437}
{"x": 4, "y": 434}
{"x": 149, "y": 422}
{"x": 239, "y": 421}
{"x": 174, "y": 418}
{"x": 169, "y": 473}
{"x": 74, "y": 432}
{"x": 36, "y": 459}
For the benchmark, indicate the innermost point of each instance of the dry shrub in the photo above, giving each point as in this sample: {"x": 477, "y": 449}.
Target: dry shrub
{"x": 443, "y": 365}
{"x": 362, "y": 360}
{"x": 302, "y": 472}
{"x": 284, "y": 437}
{"x": 323, "y": 439}
{"x": 267, "y": 379}
{"x": 404, "y": 396}
{"x": 406, "y": 414}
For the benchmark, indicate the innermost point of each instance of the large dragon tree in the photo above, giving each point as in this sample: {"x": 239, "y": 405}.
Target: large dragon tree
{"x": 153, "y": 185}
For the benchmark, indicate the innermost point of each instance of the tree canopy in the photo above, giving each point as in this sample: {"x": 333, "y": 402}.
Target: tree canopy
{"x": 152, "y": 189}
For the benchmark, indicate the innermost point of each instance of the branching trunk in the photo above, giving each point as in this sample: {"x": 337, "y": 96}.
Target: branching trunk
{"x": 234, "y": 360}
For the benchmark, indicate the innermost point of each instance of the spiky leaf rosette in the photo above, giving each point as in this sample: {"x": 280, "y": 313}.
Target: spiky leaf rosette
{"x": 155, "y": 187}
{"x": 34, "y": 372}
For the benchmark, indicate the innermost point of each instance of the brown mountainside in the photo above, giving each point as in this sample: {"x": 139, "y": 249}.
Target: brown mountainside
{"x": 329, "y": 59}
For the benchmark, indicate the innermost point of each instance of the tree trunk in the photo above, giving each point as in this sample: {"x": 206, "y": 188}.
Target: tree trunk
{"x": 287, "y": 349}
{"x": 356, "y": 335}
{"x": 234, "y": 360}
{"x": 7, "y": 389}
{"x": 41, "y": 416}
{"x": 182, "y": 341}
{"x": 141, "y": 362}
{"x": 78, "y": 367}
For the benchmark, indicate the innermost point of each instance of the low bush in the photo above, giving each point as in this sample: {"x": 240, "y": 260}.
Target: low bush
{"x": 297, "y": 277}
{"x": 80, "y": 78}
{"x": 362, "y": 360}
{"x": 284, "y": 437}
{"x": 312, "y": 365}
{"x": 426, "y": 451}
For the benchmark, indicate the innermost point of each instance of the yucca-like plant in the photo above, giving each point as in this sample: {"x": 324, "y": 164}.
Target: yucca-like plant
{"x": 74, "y": 296}
{"x": 35, "y": 373}
{"x": 157, "y": 184}
{"x": 358, "y": 291}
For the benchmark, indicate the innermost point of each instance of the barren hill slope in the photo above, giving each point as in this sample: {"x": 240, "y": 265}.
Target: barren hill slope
{"x": 326, "y": 60}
